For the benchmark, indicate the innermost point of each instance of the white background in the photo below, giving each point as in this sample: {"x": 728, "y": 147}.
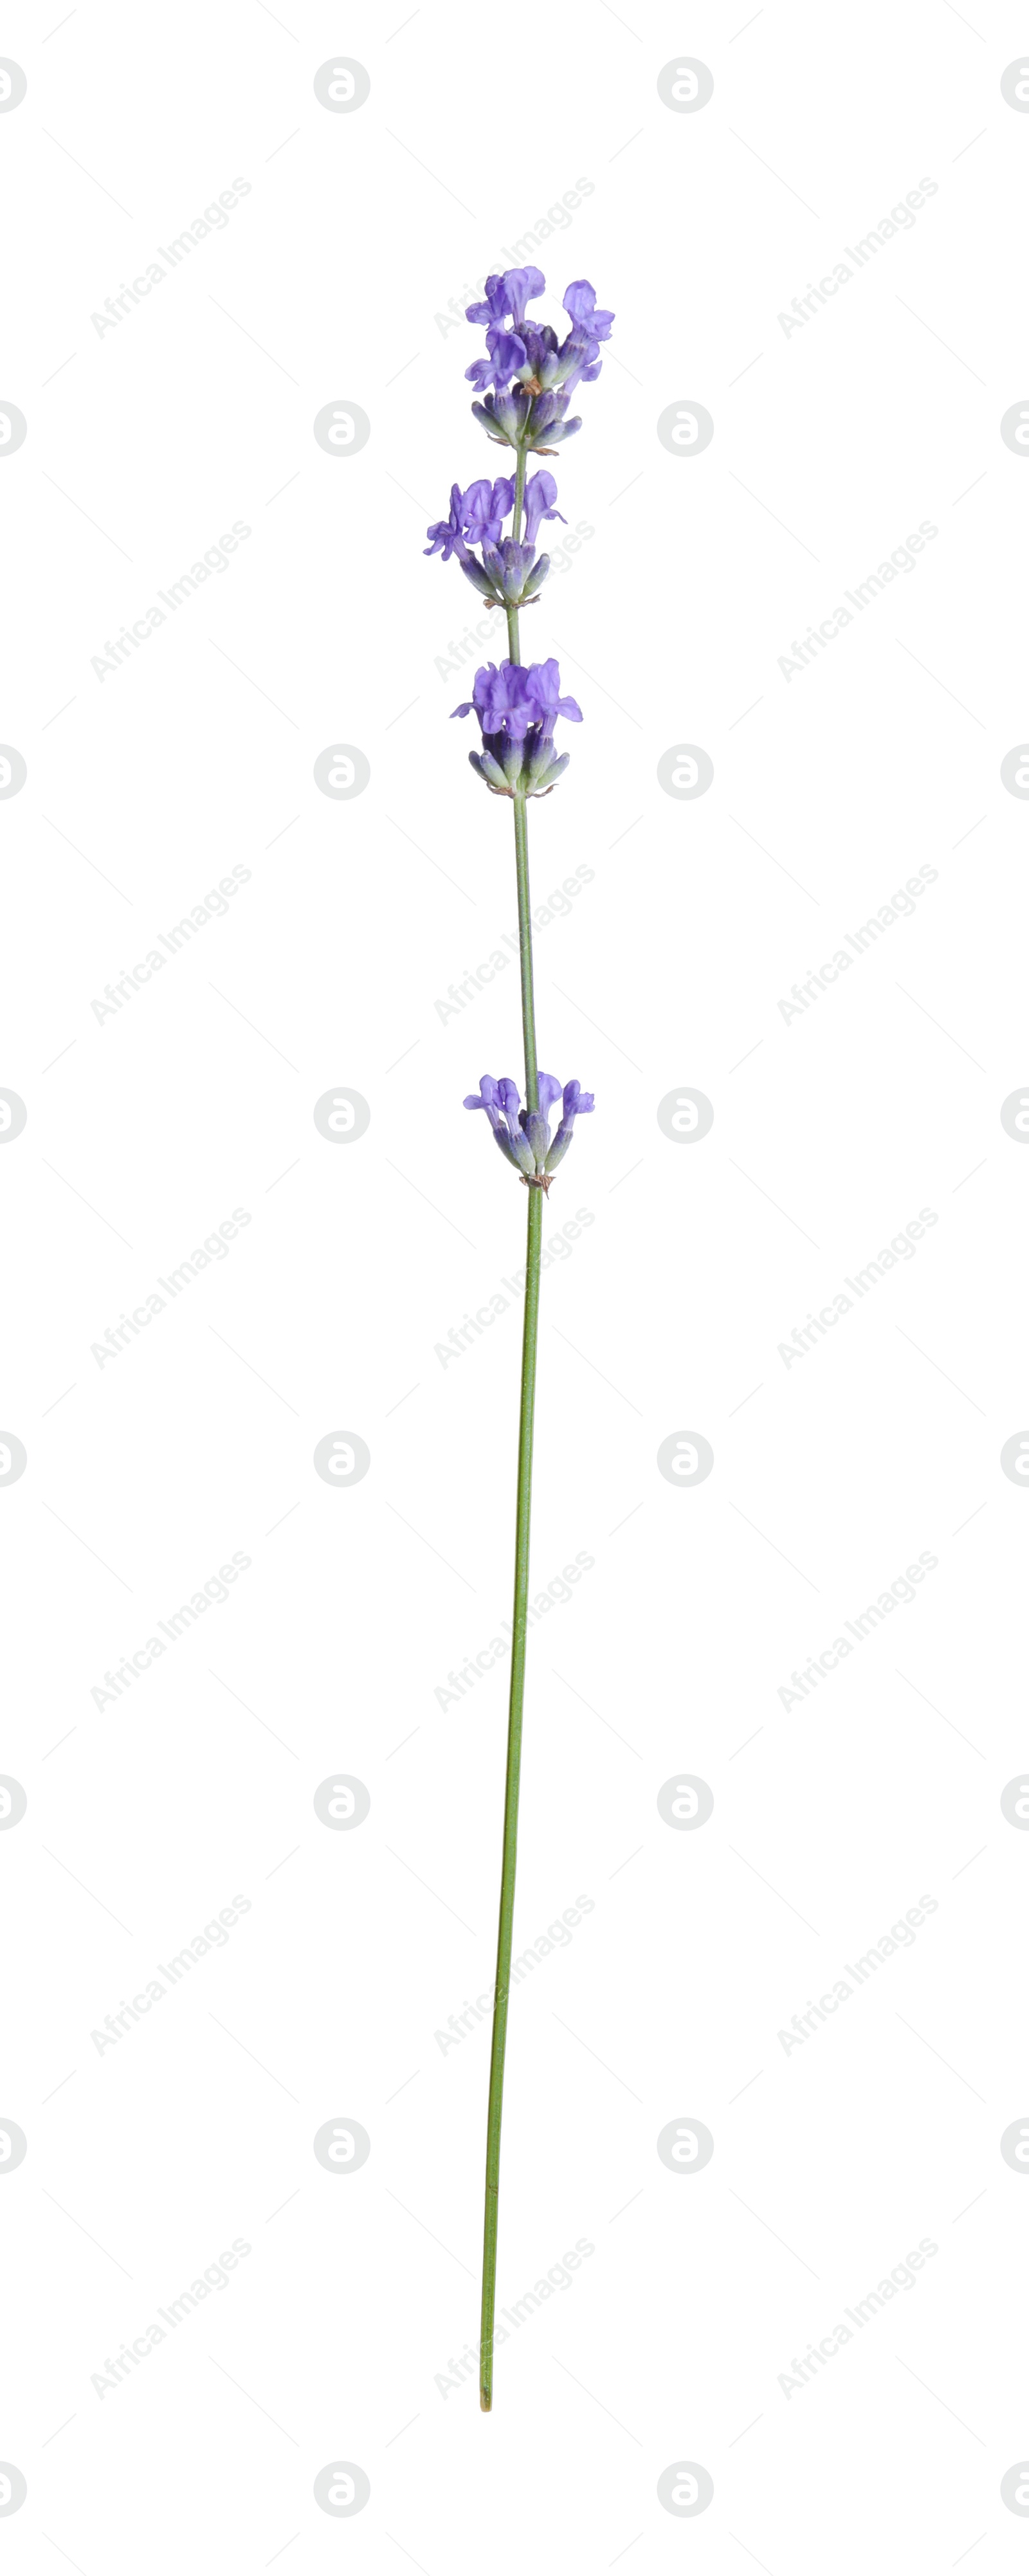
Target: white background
{"x": 332, "y": 281}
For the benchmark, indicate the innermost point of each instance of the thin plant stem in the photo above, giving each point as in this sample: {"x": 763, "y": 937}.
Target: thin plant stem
{"x": 514, "y": 1764}
{"x": 530, "y": 1329}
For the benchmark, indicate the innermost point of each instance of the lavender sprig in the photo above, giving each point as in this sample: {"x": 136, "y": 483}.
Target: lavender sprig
{"x": 526, "y": 381}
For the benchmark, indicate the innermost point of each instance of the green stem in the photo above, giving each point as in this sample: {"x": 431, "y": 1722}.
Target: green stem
{"x": 514, "y": 1765}
{"x": 505, "y": 1929}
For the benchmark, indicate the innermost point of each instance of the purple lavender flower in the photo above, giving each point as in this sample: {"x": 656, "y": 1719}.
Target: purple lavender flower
{"x": 575, "y": 1104}
{"x": 507, "y": 296}
{"x": 517, "y": 706}
{"x": 527, "y": 378}
{"x": 523, "y": 1135}
{"x": 506, "y": 355}
{"x": 476, "y": 516}
{"x": 580, "y": 304}
{"x": 540, "y": 496}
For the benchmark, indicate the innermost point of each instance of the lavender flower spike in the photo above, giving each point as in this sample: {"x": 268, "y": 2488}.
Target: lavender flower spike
{"x": 526, "y": 379}
{"x": 523, "y": 1135}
